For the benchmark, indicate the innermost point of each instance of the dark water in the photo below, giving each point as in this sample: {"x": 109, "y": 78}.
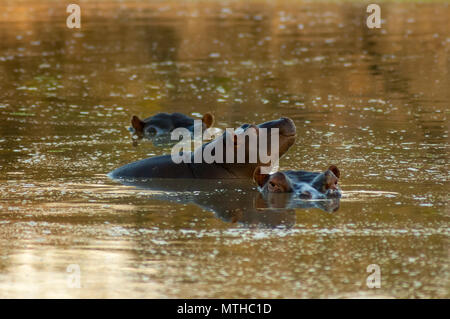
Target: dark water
{"x": 374, "y": 102}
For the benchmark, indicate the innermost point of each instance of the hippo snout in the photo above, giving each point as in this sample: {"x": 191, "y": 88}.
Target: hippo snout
{"x": 287, "y": 127}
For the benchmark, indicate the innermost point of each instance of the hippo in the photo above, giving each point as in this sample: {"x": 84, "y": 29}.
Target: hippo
{"x": 164, "y": 167}
{"x": 158, "y": 127}
{"x": 307, "y": 185}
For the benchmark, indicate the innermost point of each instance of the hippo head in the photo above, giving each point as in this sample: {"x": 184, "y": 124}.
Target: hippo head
{"x": 164, "y": 123}
{"x": 243, "y": 150}
{"x": 286, "y": 129}
{"x": 286, "y": 137}
{"x": 307, "y": 185}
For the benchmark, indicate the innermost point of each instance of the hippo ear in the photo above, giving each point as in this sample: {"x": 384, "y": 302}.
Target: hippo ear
{"x": 330, "y": 181}
{"x": 137, "y": 124}
{"x": 335, "y": 171}
{"x": 259, "y": 178}
{"x": 208, "y": 119}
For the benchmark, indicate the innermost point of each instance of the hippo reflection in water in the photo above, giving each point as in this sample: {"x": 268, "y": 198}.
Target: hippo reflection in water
{"x": 233, "y": 200}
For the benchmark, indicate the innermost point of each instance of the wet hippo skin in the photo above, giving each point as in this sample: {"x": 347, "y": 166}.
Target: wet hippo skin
{"x": 164, "y": 167}
{"x": 307, "y": 185}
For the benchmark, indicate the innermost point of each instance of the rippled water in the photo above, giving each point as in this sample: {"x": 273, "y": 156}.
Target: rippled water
{"x": 373, "y": 102}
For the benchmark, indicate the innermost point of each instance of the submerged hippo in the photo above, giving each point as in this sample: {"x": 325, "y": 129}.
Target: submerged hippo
{"x": 164, "y": 167}
{"x": 164, "y": 123}
{"x": 307, "y": 185}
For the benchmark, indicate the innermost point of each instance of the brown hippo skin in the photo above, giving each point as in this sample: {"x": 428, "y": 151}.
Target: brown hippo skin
{"x": 307, "y": 185}
{"x": 163, "y": 123}
{"x": 164, "y": 167}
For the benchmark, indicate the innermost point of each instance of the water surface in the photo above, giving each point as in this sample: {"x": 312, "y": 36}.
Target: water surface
{"x": 373, "y": 102}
